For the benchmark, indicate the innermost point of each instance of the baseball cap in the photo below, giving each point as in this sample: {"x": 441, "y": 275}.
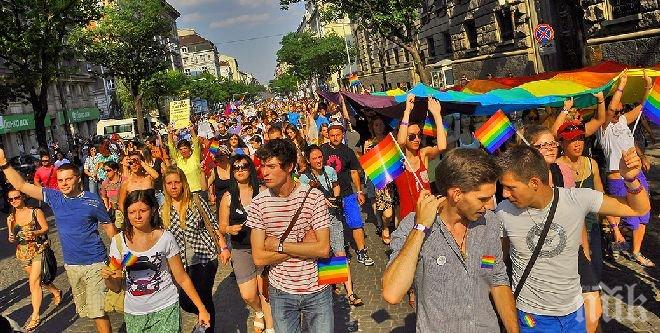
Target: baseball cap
{"x": 570, "y": 130}
{"x": 336, "y": 124}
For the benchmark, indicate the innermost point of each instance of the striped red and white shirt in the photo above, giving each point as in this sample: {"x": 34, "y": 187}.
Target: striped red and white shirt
{"x": 273, "y": 215}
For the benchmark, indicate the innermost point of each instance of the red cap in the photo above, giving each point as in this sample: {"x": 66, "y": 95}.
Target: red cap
{"x": 570, "y": 130}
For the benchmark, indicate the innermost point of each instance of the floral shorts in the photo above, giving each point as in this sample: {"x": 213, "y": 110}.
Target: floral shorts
{"x": 28, "y": 253}
{"x": 384, "y": 198}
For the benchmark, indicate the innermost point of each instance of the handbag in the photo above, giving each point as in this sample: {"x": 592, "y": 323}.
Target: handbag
{"x": 114, "y": 302}
{"x": 539, "y": 244}
{"x": 48, "y": 265}
{"x": 266, "y": 272}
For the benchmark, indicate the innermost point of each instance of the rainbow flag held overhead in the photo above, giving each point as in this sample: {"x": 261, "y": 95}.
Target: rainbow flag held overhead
{"x": 333, "y": 270}
{"x": 495, "y": 131}
{"x": 383, "y": 163}
{"x": 214, "y": 147}
{"x": 429, "y": 126}
{"x": 651, "y": 108}
{"x": 353, "y": 80}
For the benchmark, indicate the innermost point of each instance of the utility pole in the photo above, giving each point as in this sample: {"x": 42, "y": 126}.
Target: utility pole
{"x": 60, "y": 91}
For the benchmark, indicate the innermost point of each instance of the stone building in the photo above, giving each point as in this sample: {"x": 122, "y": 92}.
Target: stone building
{"x": 475, "y": 38}
{"x": 199, "y": 55}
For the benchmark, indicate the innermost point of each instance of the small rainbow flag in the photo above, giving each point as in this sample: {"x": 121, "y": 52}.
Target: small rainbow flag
{"x": 495, "y": 131}
{"x": 529, "y": 320}
{"x": 114, "y": 264}
{"x": 487, "y": 262}
{"x": 214, "y": 147}
{"x": 429, "y": 126}
{"x": 384, "y": 162}
{"x": 129, "y": 259}
{"x": 651, "y": 107}
{"x": 353, "y": 80}
{"x": 333, "y": 270}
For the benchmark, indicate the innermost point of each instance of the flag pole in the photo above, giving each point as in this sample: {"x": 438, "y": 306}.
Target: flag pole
{"x": 637, "y": 120}
{"x": 419, "y": 183}
{"x": 520, "y": 135}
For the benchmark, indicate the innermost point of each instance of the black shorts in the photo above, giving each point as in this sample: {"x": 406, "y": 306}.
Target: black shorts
{"x": 588, "y": 279}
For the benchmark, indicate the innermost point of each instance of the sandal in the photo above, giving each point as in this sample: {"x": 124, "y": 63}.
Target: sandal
{"x": 57, "y": 297}
{"x": 259, "y": 326}
{"x": 354, "y": 300}
{"x": 411, "y": 298}
{"x": 32, "y": 324}
{"x": 642, "y": 260}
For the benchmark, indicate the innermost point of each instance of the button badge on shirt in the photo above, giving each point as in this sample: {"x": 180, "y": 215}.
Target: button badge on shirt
{"x": 441, "y": 260}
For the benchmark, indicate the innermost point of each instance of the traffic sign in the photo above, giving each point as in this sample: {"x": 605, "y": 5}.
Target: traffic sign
{"x": 544, "y": 34}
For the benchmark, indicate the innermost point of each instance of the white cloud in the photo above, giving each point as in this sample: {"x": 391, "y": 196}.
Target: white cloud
{"x": 188, "y": 3}
{"x": 257, "y": 3}
{"x": 246, "y": 19}
{"x": 191, "y": 17}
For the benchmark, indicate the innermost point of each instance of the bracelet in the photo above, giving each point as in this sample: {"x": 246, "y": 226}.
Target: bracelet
{"x": 635, "y": 190}
{"x": 404, "y": 123}
{"x": 601, "y": 102}
{"x": 426, "y": 230}
{"x": 630, "y": 180}
{"x": 619, "y": 90}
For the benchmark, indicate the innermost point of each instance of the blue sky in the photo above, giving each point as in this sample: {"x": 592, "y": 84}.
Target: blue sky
{"x": 230, "y": 20}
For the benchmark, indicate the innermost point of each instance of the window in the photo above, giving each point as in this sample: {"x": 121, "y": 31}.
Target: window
{"x": 395, "y": 55}
{"x": 621, "y": 8}
{"x": 446, "y": 36}
{"x": 430, "y": 42}
{"x": 184, "y": 49}
{"x": 471, "y": 34}
{"x": 187, "y": 71}
{"x": 504, "y": 24}
{"x": 407, "y": 55}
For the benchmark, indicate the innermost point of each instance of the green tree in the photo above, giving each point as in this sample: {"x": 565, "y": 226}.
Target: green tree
{"x": 395, "y": 20}
{"x": 309, "y": 55}
{"x": 162, "y": 87}
{"x": 33, "y": 43}
{"x": 130, "y": 41}
{"x": 284, "y": 84}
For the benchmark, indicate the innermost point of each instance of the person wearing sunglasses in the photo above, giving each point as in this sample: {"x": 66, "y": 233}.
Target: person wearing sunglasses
{"x": 232, "y": 211}
{"x": 45, "y": 175}
{"x": 26, "y": 227}
{"x": 141, "y": 177}
{"x": 615, "y": 138}
{"x": 415, "y": 178}
{"x": 109, "y": 189}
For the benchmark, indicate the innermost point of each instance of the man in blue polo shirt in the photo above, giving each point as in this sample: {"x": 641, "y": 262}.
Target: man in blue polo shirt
{"x": 77, "y": 216}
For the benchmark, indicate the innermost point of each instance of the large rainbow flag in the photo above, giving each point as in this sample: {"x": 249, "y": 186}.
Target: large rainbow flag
{"x": 383, "y": 163}
{"x": 651, "y": 107}
{"x": 495, "y": 131}
{"x": 333, "y": 270}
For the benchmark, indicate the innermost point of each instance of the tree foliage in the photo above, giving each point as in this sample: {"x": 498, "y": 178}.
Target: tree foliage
{"x": 284, "y": 84}
{"x": 130, "y": 40}
{"x": 309, "y": 55}
{"x": 394, "y": 20}
{"x": 33, "y": 42}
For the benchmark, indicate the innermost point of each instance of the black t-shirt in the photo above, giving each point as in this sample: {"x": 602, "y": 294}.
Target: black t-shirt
{"x": 343, "y": 160}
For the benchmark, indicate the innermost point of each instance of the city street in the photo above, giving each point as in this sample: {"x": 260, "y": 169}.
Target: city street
{"x": 631, "y": 294}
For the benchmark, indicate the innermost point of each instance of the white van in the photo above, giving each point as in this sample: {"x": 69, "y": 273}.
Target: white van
{"x": 127, "y": 128}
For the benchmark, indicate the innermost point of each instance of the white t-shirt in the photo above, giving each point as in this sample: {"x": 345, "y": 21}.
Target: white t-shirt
{"x": 148, "y": 282}
{"x": 553, "y": 286}
{"x": 615, "y": 139}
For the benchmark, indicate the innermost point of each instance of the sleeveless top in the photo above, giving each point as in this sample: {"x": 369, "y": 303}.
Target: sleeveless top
{"x": 591, "y": 219}
{"x": 221, "y": 185}
{"x": 238, "y": 216}
{"x": 409, "y": 190}
{"x": 27, "y": 249}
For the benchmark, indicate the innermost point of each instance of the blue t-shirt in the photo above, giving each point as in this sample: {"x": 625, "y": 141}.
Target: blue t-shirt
{"x": 320, "y": 120}
{"x": 77, "y": 222}
{"x": 294, "y": 118}
{"x": 325, "y": 182}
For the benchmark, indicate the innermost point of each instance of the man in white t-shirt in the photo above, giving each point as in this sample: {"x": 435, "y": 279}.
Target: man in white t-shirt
{"x": 550, "y": 299}
{"x": 293, "y": 277}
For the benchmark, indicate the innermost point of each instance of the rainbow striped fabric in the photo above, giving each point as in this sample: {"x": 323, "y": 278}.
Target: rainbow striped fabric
{"x": 529, "y": 320}
{"x": 429, "y": 126}
{"x": 114, "y": 264}
{"x": 495, "y": 131}
{"x": 651, "y": 107}
{"x": 487, "y": 262}
{"x": 383, "y": 163}
{"x": 333, "y": 270}
{"x": 129, "y": 259}
{"x": 353, "y": 80}
{"x": 214, "y": 147}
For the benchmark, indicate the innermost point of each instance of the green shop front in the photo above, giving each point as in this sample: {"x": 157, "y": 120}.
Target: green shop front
{"x": 82, "y": 121}
{"x": 18, "y": 133}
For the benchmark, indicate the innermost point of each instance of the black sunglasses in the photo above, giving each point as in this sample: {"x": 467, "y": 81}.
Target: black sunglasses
{"x": 13, "y": 198}
{"x": 619, "y": 113}
{"x": 240, "y": 167}
{"x": 412, "y": 137}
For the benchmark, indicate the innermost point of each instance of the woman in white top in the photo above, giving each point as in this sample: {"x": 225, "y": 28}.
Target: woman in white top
{"x": 151, "y": 302}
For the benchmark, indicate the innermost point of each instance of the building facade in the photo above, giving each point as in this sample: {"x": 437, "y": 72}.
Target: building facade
{"x": 199, "y": 55}
{"x": 482, "y": 38}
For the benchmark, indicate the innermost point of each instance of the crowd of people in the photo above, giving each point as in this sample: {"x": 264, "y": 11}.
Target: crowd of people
{"x": 512, "y": 241}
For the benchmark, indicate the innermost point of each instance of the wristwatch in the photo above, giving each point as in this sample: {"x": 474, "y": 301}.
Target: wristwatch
{"x": 280, "y": 247}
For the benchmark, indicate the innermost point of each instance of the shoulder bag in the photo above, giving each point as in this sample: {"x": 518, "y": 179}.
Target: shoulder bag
{"x": 539, "y": 245}
{"x": 207, "y": 221}
{"x": 114, "y": 302}
{"x": 266, "y": 271}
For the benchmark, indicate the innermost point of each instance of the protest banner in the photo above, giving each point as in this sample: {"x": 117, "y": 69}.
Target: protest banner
{"x": 180, "y": 113}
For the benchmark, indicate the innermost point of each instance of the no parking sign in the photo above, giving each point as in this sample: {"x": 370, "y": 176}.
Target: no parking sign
{"x": 544, "y": 34}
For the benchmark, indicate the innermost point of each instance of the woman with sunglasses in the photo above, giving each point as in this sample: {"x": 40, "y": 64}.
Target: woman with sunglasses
{"x": 561, "y": 175}
{"x": 151, "y": 297}
{"x": 415, "y": 177}
{"x": 26, "y": 227}
{"x": 141, "y": 177}
{"x": 104, "y": 155}
{"x": 615, "y": 138}
{"x": 233, "y": 215}
{"x": 109, "y": 189}
{"x": 185, "y": 215}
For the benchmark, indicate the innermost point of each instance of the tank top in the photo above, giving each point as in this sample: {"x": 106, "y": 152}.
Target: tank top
{"x": 238, "y": 216}
{"x": 409, "y": 190}
{"x": 591, "y": 219}
{"x": 221, "y": 185}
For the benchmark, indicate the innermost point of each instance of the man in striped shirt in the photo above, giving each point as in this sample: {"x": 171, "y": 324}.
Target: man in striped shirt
{"x": 293, "y": 277}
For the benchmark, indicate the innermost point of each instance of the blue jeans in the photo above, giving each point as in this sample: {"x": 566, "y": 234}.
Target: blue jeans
{"x": 571, "y": 323}
{"x": 316, "y": 310}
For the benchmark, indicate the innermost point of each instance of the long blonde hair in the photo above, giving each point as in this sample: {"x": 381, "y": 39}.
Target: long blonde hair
{"x": 186, "y": 196}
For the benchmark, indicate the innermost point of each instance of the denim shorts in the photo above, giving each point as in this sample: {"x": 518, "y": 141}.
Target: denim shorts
{"x": 617, "y": 188}
{"x": 352, "y": 213}
{"x": 573, "y": 322}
